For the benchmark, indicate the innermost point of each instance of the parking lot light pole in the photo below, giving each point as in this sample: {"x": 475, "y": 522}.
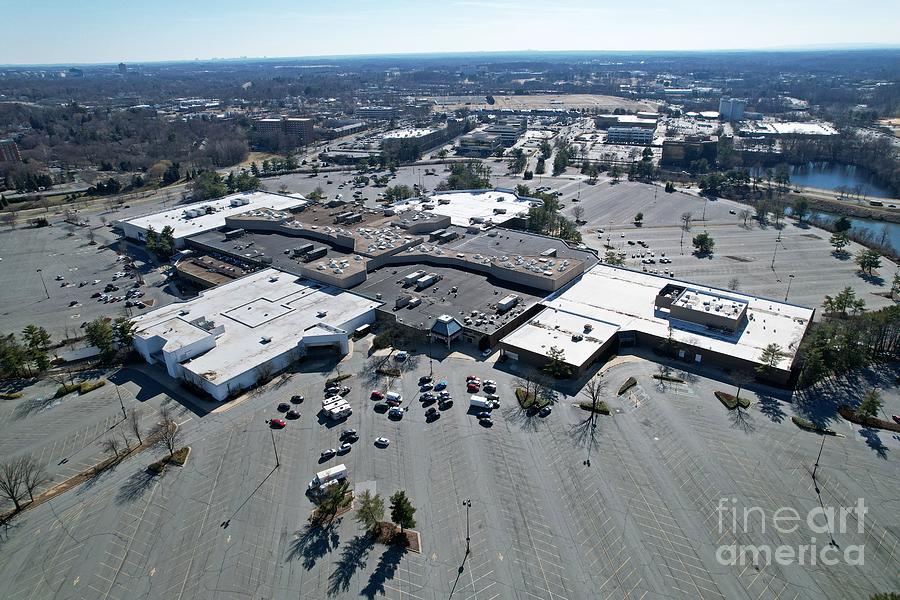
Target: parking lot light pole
{"x": 44, "y": 283}
{"x": 790, "y": 280}
{"x": 275, "y": 448}
{"x": 122, "y": 404}
{"x": 468, "y": 504}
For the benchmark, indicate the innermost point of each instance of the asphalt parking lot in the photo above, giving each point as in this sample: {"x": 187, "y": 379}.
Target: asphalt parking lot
{"x": 802, "y": 255}
{"x": 639, "y": 522}
{"x": 56, "y": 253}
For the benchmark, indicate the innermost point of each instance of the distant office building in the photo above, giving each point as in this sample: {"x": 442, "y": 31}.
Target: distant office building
{"x": 629, "y": 135}
{"x": 123, "y": 68}
{"x": 508, "y": 130}
{"x": 378, "y": 113}
{"x": 731, "y": 109}
{"x": 9, "y": 151}
{"x": 648, "y": 121}
{"x": 299, "y": 127}
{"x": 423, "y": 138}
{"x": 478, "y": 143}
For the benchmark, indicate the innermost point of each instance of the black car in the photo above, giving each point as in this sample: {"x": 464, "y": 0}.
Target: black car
{"x": 484, "y": 414}
{"x": 297, "y": 399}
{"x": 425, "y": 387}
{"x": 544, "y": 411}
{"x": 486, "y": 422}
{"x": 348, "y": 433}
{"x": 431, "y": 413}
{"x": 381, "y": 407}
{"x": 284, "y": 407}
{"x": 424, "y": 379}
{"x": 445, "y": 404}
{"x": 292, "y": 414}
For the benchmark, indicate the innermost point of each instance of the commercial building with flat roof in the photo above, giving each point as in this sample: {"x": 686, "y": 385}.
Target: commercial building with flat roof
{"x": 629, "y": 135}
{"x": 478, "y": 143}
{"x": 377, "y": 113}
{"x": 481, "y": 208}
{"x": 228, "y": 338}
{"x": 299, "y": 127}
{"x": 732, "y": 109}
{"x": 191, "y": 219}
{"x": 694, "y": 323}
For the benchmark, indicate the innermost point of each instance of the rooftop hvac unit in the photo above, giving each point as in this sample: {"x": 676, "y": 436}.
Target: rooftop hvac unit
{"x": 265, "y": 339}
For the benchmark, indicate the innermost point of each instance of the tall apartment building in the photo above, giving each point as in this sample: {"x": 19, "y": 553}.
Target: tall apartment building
{"x": 731, "y": 109}
{"x": 9, "y": 151}
{"x": 300, "y": 127}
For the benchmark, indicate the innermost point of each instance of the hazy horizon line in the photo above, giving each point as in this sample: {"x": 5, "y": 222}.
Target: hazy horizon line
{"x": 861, "y": 46}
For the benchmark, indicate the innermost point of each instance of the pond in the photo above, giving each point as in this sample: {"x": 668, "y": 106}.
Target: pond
{"x": 828, "y": 176}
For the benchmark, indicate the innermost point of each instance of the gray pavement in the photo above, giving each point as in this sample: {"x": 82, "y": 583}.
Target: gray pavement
{"x": 639, "y": 522}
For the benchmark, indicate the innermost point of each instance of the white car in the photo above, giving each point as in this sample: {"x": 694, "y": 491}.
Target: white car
{"x": 382, "y": 441}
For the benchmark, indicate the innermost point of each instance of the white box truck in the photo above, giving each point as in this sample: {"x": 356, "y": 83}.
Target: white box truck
{"x": 481, "y": 403}
{"x": 337, "y": 409}
{"x": 327, "y": 477}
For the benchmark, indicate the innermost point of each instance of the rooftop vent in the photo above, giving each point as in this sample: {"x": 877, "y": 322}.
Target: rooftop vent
{"x": 265, "y": 340}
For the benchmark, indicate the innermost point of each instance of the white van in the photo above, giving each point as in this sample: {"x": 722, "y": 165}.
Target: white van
{"x": 393, "y": 397}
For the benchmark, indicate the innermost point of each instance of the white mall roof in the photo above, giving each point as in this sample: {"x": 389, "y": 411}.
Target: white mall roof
{"x": 555, "y": 328}
{"x": 626, "y": 299}
{"x": 221, "y": 208}
{"x": 269, "y": 304}
{"x": 462, "y": 207}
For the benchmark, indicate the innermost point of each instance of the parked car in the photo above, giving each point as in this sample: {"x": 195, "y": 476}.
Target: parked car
{"x": 345, "y": 447}
{"x": 277, "y": 424}
{"x": 484, "y": 414}
{"x": 382, "y": 441}
{"x": 441, "y": 385}
{"x": 432, "y": 413}
{"x": 486, "y": 422}
{"x": 376, "y": 395}
{"x": 472, "y": 387}
{"x": 381, "y": 407}
{"x": 445, "y": 403}
{"x": 347, "y": 433}
{"x": 297, "y": 399}
{"x": 425, "y": 387}
{"x": 424, "y": 379}
{"x": 292, "y": 414}
{"x": 544, "y": 411}
{"x": 328, "y": 453}
{"x": 396, "y": 412}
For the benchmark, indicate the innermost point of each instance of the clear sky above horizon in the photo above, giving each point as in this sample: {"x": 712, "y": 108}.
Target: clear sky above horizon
{"x": 57, "y": 31}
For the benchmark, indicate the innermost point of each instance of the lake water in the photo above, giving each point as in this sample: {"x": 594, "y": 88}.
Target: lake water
{"x": 876, "y": 227}
{"x": 827, "y": 176}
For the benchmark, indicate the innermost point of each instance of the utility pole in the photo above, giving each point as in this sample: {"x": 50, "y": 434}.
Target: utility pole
{"x": 44, "y": 283}
{"x": 790, "y": 281}
{"x": 468, "y": 504}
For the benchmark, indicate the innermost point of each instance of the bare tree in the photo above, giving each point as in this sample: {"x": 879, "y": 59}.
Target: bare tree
{"x": 134, "y": 422}
{"x": 734, "y": 283}
{"x": 578, "y": 213}
{"x": 167, "y": 430}
{"x": 9, "y": 219}
{"x": 12, "y": 482}
{"x": 33, "y": 474}
{"x": 741, "y": 379}
{"x": 594, "y": 389}
{"x": 111, "y": 444}
{"x": 686, "y": 218}
{"x": 744, "y": 216}
{"x": 528, "y": 384}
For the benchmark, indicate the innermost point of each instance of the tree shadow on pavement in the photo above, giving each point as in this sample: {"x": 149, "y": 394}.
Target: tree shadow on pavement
{"x": 135, "y": 486}
{"x": 526, "y": 419}
{"x": 741, "y": 420}
{"x": 874, "y": 442}
{"x": 353, "y": 558}
{"x": 771, "y": 407}
{"x": 584, "y": 433}
{"x": 313, "y": 542}
{"x": 31, "y": 406}
{"x": 385, "y": 570}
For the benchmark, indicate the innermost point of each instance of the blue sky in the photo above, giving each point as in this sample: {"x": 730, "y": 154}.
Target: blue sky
{"x": 56, "y": 31}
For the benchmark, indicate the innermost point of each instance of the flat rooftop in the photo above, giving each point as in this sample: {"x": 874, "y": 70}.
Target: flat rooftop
{"x": 264, "y": 315}
{"x": 626, "y": 298}
{"x": 786, "y": 128}
{"x": 214, "y": 212}
{"x": 411, "y": 133}
{"x": 702, "y": 301}
{"x": 578, "y": 336}
{"x": 464, "y": 208}
{"x": 475, "y": 292}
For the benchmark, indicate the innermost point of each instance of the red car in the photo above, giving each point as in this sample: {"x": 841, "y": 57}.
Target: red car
{"x": 471, "y": 378}
{"x": 472, "y": 387}
{"x": 277, "y": 423}
{"x": 376, "y": 395}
